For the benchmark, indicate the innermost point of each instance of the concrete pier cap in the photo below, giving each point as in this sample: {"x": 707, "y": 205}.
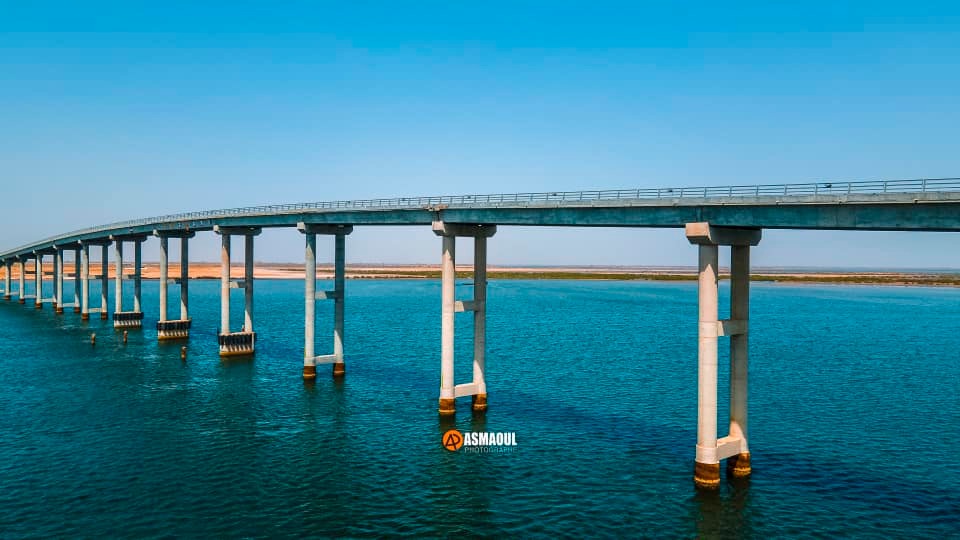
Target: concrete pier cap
{"x": 704, "y": 233}
{"x": 174, "y": 233}
{"x": 239, "y": 231}
{"x": 442, "y": 228}
{"x": 324, "y": 228}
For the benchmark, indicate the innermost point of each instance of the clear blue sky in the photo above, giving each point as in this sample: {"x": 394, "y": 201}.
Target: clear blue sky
{"x": 113, "y": 110}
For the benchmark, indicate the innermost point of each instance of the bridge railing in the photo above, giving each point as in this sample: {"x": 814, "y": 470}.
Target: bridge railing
{"x": 923, "y": 185}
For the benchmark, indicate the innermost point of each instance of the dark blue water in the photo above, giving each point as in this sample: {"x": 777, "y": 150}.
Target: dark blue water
{"x": 854, "y": 400}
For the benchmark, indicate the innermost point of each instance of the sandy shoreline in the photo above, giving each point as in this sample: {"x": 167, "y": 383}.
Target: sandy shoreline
{"x": 204, "y": 270}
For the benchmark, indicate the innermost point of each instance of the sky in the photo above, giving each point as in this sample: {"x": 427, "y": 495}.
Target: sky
{"x": 118, "y": 110}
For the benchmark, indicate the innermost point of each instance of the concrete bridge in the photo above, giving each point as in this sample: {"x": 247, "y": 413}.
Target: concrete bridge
{"x": 712, "y": 216}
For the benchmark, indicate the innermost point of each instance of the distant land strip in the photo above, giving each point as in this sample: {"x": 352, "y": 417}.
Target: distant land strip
{"x": 205, "y": 270}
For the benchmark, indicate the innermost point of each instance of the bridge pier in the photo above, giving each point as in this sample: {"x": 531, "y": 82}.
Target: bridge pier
{"x": 244, "y": 341}
{"x": 127, "y": 319}
{"x": 173, "y": 329}
{"x": 104, "y": 281}
{"x": 7, "y": 279}
{"x": 38, "y": 280}
{"x": 76, "y": 279}
{"x": 58, "y": 281}
{"x": 21, "y": 281}
{"x": 710, "y": 449}
{"x": 310, "y": 359}
{"x": 477, "y": 388}
{"x": 84, "y": 255}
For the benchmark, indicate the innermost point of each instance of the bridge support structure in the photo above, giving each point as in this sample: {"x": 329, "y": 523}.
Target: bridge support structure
{"x": 179, "y": 328}
{"x": 121, "y": 318}
{"x": 58, "y": 280}
{"x": 38, "y": 280}
{"x": 477, "y": 388}
{"x": 85, "y": 309}
{"x": 22, "y": 280}
{"x": 710, "y": 449}
{"x": 7, "y": 279}
{"x": 77, "y": 285}
{"x": 310, "y": 359}
{"x": 243, "y": 342}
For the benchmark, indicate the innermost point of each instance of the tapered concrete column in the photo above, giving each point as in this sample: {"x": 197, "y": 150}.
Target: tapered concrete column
{"x": 184, "y": 278}
{"x": 118, "y": 276}
{"x": 58, "y": 280}
{"x": 447, "y": 298}
{"x": 707, "y": 472}
{"x": 339, "y": 274}
{"x": 739, "y": 464}
{"x": 163, "y": 278}
{"x": 38, "y": 279}
{"x": 710, "y": 448}
{"x": 21, "y": 281}
{"x": 76, "y": 280}
{"x": 225, "y": 284}
{"x": 104, "y": 282}
{"x": 137, "y": 268}
{"x": 7, "y": 280}
{"x": 309, "y": 306}
{"x": 85, "y": 282}
{"x": 479, "y": 321}
{"x": 248, "y": 283}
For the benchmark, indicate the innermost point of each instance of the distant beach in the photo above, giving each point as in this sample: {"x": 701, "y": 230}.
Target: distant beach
{"x": 207, "y": 270}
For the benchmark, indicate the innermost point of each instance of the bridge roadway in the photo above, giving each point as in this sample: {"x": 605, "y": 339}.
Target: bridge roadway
{"x": 731, "y": 216}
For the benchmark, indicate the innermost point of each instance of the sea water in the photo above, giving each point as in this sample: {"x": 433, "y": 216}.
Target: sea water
{"x": 854, "y": 422}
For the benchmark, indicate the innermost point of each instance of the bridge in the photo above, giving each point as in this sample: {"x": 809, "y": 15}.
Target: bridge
{"x": 731, "y": 216}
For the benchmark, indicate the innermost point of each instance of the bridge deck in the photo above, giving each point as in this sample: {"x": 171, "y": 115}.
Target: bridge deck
{"x": 915, "y": 205}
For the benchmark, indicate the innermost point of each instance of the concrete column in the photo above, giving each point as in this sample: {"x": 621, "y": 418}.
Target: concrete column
{"x": 85, "y": 282}
{"x": 137, "y": 267}
{"x": 76, "y": 280}
{"x": 38, "y": 279}
{"x": 7, "y": 280}
{"x": 339, "y": 271}
{"x": 707, "y": 470}
{"x": 22, "y": 281}
{"x": 479, "y": 321}
{"x": 118, "y": 277}
{"x": 224, "y": 283}
{"x": 104, "y": 281}
{"x": 739, "y": 464}
{"x": 163, "y": 278}
{"x": 248, "y": 283}
{"x": 448, "y": 299}
{"x": 58, "y": 280}
{"x": 309, "y": 306}
{"x": 184, "y": 278}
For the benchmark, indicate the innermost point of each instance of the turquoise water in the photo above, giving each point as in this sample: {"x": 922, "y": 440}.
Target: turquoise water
{"x": 855, "y": 393}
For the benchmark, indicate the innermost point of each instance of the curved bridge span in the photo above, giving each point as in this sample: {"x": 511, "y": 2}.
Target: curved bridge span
{"x": 731, "y": 216}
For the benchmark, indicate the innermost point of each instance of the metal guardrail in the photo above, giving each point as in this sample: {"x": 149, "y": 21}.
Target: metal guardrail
{"x": 923, "y": 185}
